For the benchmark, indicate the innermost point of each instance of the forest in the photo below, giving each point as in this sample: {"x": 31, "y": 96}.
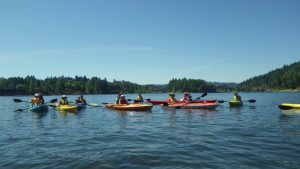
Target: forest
{"x": 67, "y": 85}
{"x": 285, "y": 78}
{"x": 83, "y": 85}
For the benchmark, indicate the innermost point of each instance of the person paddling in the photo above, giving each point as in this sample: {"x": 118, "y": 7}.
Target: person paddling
{"x": 80, "y": 100}
{"x": 187, "y": 97}
{"x": 172, "y": 99}
{"x": 118, "y": 98}
{"x": 63, "y": 100}
{"x": 122, "y": 100}
{"x": 237, "y": 97}
{"x": 139, "y": 98}
{"x": 37, "y": 100}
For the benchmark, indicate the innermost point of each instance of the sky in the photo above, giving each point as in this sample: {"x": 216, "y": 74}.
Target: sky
{"x": 148, "y": 41}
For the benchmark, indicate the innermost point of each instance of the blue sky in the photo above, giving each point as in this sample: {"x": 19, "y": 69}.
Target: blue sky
{"x": 148, "y": 41}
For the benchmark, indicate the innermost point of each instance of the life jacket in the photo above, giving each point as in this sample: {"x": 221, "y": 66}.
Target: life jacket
{"x": 139, "y": 98}
{"x": 237, "y": 98}
{"x": 172, "y": 100}
{"x": 37, "y": 101}
{"x": 186, "y": 98}
{"x": 82, "y": 101}
{"x": 63, "y": 102}
{"x": 123, "y": 101}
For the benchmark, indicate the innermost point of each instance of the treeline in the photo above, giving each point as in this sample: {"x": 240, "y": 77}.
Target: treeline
{"x": 82, "y": 85}
{"x": 67, "y": 85}
{"x": 287, "y": 77}
{"x": 190, "y": 85}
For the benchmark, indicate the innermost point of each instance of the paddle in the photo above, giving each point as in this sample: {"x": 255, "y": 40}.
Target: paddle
{"x": 203, "y": 95}
{"x": 19, "y": 100}
{"x": 250, "y": 101}
{"x": 93, "y": 104}
{"x": 284, "y": 107}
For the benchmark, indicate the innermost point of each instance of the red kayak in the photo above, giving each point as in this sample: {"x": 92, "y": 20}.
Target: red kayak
{"x": 210, "y": 106}
{"x": 159, "y": 102}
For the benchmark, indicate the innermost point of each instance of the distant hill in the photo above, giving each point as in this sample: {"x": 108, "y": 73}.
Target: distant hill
{"x": 285, "y": 78}
{"x": 224, "y": 86}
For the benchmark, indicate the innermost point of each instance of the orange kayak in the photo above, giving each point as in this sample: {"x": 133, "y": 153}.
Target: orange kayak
{"x": 130, "y": 107}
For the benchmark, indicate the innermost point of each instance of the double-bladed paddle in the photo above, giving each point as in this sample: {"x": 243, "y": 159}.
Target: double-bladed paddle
{"x": 203, "y": 95}
{"x": 250, "y": 101}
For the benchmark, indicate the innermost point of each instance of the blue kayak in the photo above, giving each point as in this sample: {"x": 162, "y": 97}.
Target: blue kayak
{"x": 81, "y": 106}
{"x": 39, "y": 108}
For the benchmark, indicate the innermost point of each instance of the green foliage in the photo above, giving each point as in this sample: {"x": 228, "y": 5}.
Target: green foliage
{"x": 67, "y": 85}
{"x": 190, "y": 85}
{"x": 287, "y": 77}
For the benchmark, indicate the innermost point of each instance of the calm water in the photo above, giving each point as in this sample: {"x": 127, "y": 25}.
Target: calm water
{"x": 255, "y": 136}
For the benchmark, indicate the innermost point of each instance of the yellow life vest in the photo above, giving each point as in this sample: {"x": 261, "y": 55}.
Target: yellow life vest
{"x": 63, "y": 102}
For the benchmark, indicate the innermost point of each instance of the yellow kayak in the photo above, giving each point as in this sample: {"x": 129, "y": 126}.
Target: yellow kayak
{"x": 288, "y": 106}
{"x": 235, "y": 103}
{"x": 68, "y": 108}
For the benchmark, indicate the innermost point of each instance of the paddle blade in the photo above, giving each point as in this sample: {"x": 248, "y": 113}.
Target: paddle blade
{"x": 251, "y": 101}
{"x": 93, "y": 104}
{"x": 203, "y": 95}
{"x": 283, "y": 107}
{"x": 19, "y": 110}
{"x": 17, "y": 100}
{"x": 221, "y": 101}
{"x": 53, "y": 100}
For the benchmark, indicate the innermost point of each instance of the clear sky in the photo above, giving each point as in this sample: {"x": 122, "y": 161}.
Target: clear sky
{"x": 148, "y": 41}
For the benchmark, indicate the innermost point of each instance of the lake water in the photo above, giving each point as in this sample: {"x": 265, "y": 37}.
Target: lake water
{"x": 257, "y": 135}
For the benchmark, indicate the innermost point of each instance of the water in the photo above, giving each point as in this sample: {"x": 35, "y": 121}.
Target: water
{"x": 255, "y": 136}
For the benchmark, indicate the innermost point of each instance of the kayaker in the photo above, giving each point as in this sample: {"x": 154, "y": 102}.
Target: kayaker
{"x": 63, "y": 100}
{"x": 237, "y": 97}
{"x": 123, "y": 100}
{"x": 187, "y": 97}
{"x": 37, "y": 100}
{"x": 172, "y": 99}
{"x": 118, "y": 98}
{"x": 80, "y": 100}
{"x": 139, "y": 98}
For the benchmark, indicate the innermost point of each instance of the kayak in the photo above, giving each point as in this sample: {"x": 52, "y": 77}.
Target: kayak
{"x": 210, "y": 106}
{"x": 81, "y": 106}
{"x": 130, "y": 107}
{"x": 287, "y": 106}
{"x": 235, "y": 103}
{"x": 159, "y": 102}
{"x": 39, "y": 108}
{"x": 68, "y": 108}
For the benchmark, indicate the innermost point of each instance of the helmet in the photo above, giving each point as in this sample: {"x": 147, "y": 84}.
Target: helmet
{"x": 171, "y": 94}
{"x": 122, "y": 96}
{"x": 36, "y": 95}
{"x": 64, "y": 96}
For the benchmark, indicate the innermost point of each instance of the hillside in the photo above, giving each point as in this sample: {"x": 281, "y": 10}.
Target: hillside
{"x": 285, "y": 78}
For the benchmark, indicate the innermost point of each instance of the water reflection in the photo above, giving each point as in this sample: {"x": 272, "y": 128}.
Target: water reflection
{"x": 201, "y": 112}
{"x": 64, "y": 114}
{"x": 123, "y": 116}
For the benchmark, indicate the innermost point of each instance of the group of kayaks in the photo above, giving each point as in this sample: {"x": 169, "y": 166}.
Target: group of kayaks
{"x": 147, "y": 106}
{"x": 64, "y": 108}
